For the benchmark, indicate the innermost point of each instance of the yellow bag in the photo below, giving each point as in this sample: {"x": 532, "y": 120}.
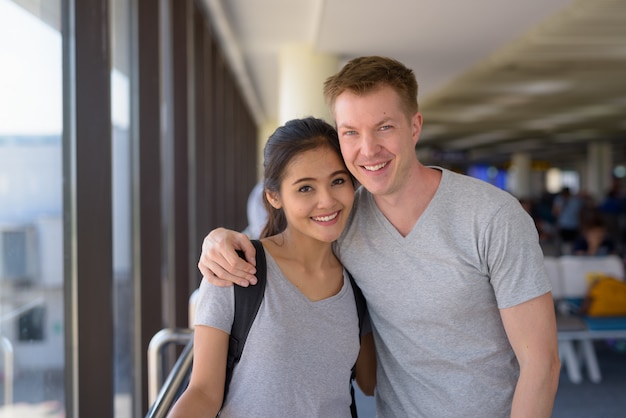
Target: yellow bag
{"x": 606, "y": 297}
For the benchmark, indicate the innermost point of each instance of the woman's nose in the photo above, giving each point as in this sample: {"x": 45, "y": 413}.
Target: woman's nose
{"x": 326, "y": 198}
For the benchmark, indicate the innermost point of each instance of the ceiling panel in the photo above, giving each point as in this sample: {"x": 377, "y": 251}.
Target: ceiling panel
{"x": 496, "y": 76}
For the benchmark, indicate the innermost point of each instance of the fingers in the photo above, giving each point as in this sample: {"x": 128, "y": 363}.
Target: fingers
{"x": 219, "y": 276}
{"x": 216, "y": 281}
{"x": 219, "y": 262}
{"x": 209, "y": 276}
{"x": 237, "y": 241}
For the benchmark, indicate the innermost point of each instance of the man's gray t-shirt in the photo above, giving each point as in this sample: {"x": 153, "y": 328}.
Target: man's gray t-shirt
{"x": 299, "y": 354}
{"x": 433, "y": 298}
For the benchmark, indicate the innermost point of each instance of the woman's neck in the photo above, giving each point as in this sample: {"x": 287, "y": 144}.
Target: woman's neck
{"x": 310, "y": 265}
{"x": 310, "y": 253}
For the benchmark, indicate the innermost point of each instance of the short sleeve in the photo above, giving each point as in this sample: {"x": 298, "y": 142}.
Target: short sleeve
{"x": 215, "y": 306}
{"x": 514, "y": 257}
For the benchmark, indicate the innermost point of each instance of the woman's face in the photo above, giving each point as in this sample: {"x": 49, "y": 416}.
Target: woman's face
{"x": 316, "y": 195}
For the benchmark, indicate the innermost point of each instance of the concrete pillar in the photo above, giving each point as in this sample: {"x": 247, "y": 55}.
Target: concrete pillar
{"x": 599, "y": 166}
{"x": 520, "y": 175}
{"x": 302, "y": 74}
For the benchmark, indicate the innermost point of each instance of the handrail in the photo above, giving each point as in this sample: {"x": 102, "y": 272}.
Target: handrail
{"x": 174, "y": 384}
{"x": 161, "y": 400}
{"x": 7, "y": 349}
{"x": 162, "y": 338}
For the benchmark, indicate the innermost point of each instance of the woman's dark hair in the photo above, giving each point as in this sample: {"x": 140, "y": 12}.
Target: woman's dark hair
{"x": 288, "y": 141}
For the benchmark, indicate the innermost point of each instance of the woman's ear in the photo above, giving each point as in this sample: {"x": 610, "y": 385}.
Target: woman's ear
{"x": 274, "y": 199}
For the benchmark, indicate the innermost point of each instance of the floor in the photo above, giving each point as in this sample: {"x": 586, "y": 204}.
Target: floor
{"x": 596, "y": 400}
{"x": 584, "y": 400}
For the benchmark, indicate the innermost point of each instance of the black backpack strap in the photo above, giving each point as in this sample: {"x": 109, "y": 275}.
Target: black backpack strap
{"x": 247, "y": 303}
{"x": 361, "y": 309}
{"x": 361, "y": 305}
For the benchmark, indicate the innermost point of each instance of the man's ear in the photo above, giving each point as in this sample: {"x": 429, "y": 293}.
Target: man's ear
{"x": 274, "y": 199}
{"x": 416, "y": 124}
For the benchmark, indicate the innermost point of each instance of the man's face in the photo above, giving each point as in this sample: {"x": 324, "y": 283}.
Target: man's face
{"x": 377, "y": 138}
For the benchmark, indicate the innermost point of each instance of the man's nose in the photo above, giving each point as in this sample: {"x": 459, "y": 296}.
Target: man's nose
{"x": 369, "y": 145}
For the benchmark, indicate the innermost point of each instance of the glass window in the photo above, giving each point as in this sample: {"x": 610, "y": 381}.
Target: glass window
{"x": 31, "y": 231}
{"x": 122, "y": 204}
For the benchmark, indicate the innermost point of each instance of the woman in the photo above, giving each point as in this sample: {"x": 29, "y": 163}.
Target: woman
{"x": 304, "y": 341}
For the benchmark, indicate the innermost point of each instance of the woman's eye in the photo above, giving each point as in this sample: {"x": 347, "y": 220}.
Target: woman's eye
{"x": 339, "y": 181}
{"x": 305, "y": 189}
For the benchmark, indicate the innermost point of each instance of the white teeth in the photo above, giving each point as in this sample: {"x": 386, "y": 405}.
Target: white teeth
{"x": 325, "y": 218}
{"x": 374, "y": 167}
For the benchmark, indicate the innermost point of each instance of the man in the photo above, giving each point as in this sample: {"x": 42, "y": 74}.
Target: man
{"x": 451, "y": 267}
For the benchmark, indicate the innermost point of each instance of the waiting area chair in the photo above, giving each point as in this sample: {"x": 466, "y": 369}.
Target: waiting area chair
{"x": 577, "y": 332}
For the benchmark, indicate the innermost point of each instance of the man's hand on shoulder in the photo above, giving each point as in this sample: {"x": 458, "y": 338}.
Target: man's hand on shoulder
{"x": 219, "y": 262}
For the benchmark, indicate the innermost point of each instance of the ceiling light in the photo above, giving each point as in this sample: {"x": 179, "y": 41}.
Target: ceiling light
{"x": 538, "y": 88}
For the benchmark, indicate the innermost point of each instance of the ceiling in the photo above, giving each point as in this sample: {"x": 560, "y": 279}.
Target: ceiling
{"x": 496, "y": 76}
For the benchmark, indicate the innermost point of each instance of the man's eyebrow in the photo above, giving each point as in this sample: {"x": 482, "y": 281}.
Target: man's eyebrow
{"x": 383, "y": 121}
{"x": 344, "y": 126}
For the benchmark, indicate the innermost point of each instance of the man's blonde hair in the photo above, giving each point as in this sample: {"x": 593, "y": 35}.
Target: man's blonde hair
{"x": 365, "y": 74}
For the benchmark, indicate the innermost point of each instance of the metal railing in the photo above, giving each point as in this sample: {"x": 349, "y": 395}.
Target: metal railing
{"x": 175, "y": 384}
{"x": 7, "y": 349}
{"x": 163, "y": 394}
{"x": 8, "y": 353}
{"x": 160, "y": 340}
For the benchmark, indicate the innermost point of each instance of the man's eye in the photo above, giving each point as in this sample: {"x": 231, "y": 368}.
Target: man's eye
{"x": 349, "y": 133}
{"x": 385, "y": 127}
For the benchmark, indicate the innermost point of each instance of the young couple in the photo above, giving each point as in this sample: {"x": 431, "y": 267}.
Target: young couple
{"x": 459, "y": 302}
